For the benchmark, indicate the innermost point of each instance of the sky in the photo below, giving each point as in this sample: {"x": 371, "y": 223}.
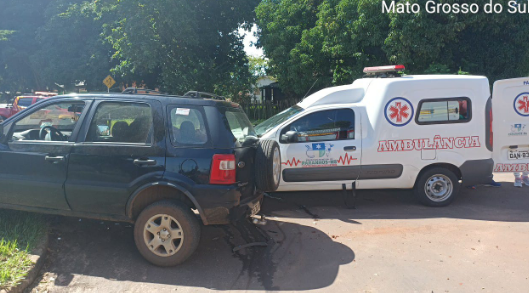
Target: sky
{"x": 249, "y": 38}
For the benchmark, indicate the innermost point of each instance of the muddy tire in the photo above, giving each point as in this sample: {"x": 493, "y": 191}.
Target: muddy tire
{"x": 437, "y": 187}
{"x": 267, "y": 166}
{"x": 167, "y": 233}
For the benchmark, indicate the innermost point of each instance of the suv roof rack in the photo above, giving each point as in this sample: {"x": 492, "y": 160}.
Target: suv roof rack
{"x": 133, "y": 90}
{"x": 198, "y": 95}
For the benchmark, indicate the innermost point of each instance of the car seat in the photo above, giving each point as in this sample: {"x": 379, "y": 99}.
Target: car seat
{"x": 187, "y": 134}
{"x": 139, "y": 130}
{"x": 120, "y": 131}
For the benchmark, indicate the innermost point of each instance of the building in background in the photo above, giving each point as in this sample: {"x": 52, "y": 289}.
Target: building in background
{"x": 267, "y": 89}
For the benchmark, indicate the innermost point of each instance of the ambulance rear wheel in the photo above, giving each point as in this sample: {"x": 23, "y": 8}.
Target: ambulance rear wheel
{"x": 437, "y": 187}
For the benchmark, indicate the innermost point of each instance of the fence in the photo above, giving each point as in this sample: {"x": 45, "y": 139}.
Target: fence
{"x": 267, "y": 109}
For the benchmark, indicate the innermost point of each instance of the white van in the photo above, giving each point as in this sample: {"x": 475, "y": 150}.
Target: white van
{"x": 432, "y": 133}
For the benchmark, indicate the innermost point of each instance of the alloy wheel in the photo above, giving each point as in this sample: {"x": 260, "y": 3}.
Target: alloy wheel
{"x": 163, "y": 235}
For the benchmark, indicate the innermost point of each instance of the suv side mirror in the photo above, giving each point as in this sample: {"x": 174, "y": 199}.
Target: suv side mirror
{"x": 290, "y": 136}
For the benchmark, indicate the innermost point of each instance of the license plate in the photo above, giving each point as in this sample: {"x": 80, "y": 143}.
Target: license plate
{"x": 518, "y": 155}
{"x": 256, "y": 208}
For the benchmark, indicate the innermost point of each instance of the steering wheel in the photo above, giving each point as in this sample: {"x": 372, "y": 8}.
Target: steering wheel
{"x": 54, "y": 133}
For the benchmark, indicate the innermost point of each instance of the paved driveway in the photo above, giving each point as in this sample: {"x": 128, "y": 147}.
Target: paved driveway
{"x": 389, "y": 243}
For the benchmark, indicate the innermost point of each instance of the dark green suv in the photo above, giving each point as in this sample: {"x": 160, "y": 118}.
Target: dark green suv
{"x": 163, "y": 162}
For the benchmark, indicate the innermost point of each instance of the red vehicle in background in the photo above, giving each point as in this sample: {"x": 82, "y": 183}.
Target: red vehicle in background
{"x": 22, "y": 102}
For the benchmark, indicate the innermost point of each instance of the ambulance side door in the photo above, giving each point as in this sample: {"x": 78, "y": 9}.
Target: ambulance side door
{"x": 510, "y": 125}
{"x": 321, "y": 149}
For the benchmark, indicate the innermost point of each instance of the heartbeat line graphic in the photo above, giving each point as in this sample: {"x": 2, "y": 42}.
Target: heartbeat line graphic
{"x": 346, "y": 159}
{"x": 294, "y": 162}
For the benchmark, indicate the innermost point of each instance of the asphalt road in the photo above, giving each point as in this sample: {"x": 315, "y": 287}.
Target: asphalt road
{"x": 389, "y": 243}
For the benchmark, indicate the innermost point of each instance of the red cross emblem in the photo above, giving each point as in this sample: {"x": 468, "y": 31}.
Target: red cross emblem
{"x": 523, "y": 104}
{"x": 398, "y": 112}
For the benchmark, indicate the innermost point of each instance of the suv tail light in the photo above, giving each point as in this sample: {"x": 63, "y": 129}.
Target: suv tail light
{"x": 222, "y": 170}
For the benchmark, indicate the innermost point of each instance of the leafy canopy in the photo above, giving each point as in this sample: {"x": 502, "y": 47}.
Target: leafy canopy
{"x": 328, "y": 42}
{"x": 178, "y": 45}
{"x": 190, "y": 45}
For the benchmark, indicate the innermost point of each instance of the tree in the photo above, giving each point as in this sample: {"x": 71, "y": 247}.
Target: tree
{"x": 281, "y": 27}
{"x": 320, "y": 43}
{"x": 485, "y": 44}
{"x": 176, "y": 44}
{"x": 190, "y": 45}
{"x": 72, "y": 48}
{"x": 258, "y": 66}
{"x": 19, "y": 21}
{"x": 347, "y": 37}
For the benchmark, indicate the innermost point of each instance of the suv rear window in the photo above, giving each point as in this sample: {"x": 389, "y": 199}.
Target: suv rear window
{"x": 239, "y": 124}
{"x": 188, "y": 126}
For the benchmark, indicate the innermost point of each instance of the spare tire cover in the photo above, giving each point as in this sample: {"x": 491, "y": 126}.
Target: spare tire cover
{"x": 268, "y": 165}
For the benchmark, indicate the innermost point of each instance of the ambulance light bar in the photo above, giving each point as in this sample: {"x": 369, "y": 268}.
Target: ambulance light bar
{"x": 383, "y": 69}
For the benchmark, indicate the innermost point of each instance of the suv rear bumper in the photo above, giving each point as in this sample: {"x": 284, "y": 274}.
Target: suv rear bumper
{"x": 228, "y": 206}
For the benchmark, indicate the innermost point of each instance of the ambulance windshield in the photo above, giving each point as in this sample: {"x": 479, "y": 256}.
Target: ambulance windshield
{"x": 277, "y": 119}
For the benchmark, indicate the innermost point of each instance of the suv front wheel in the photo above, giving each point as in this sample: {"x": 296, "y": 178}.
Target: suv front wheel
{"x": 167, "y": 233}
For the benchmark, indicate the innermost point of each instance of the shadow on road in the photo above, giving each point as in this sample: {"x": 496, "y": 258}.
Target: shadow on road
{"x": 507, "y": 204}
{"x": 298, "y": 257}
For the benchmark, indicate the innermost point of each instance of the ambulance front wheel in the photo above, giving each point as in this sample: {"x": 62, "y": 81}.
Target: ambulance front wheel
{"x": 437, "y": 187}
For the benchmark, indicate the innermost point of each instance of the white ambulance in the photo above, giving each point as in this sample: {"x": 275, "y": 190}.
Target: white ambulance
{"x": 430, "y": 133}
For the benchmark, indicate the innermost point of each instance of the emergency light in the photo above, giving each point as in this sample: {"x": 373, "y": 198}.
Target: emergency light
{"x": 383, "y": 69}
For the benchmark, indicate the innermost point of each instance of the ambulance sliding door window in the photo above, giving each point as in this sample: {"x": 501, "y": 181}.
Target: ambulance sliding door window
{"x": 442, "y": 111}
{"x": 324, "y": 126}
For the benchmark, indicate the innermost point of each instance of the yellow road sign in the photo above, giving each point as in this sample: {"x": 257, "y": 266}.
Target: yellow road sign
{"x": 109, "y": 81}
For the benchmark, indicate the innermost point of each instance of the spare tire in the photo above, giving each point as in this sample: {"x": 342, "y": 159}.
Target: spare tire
{"x": 267, "y": 165}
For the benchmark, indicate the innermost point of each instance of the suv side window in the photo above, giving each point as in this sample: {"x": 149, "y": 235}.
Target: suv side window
{"x": 442, "y": 111}
{"x": 121, "y": 122}
{"x": 54, "y": 122}
{"x": 188, "y": 127}
{"x": 324, "y": 126}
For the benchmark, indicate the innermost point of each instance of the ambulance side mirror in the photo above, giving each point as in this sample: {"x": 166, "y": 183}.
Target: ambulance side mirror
{"x": 290, "y": 136}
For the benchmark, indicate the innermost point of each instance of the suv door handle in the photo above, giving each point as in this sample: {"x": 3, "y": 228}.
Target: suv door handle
{"x": 349, "y": 148}
{"x": 142, "y": 162}
{"x": 53, "y": 159}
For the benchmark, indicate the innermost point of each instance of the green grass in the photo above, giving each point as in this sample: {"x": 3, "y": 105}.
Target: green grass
{"x": 19, "y": 233}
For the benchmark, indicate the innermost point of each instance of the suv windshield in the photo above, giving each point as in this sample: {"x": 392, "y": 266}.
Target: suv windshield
{"x": 239, "y": 124}
{"x": 277, "y": 119}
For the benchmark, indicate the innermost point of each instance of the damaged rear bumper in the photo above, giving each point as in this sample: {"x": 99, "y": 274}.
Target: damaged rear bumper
{"x": 221, "y": 206}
